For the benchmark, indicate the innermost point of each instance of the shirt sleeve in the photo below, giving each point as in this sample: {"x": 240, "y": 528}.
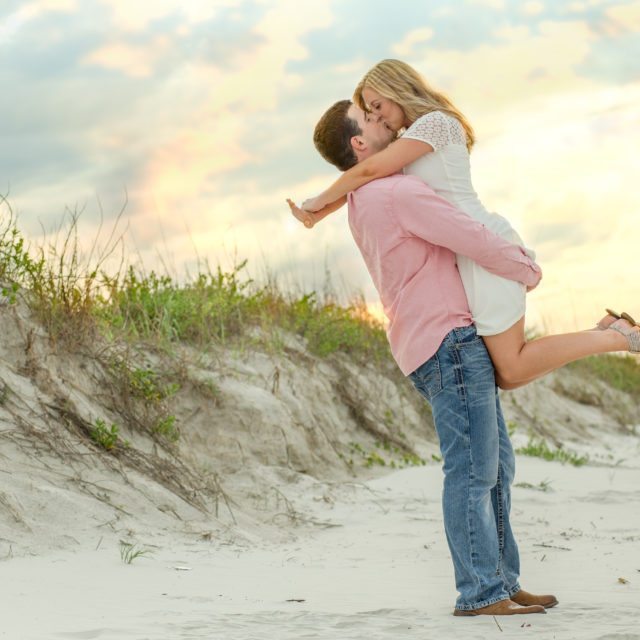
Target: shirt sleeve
{"x": 437, "y": 129}
{"x": 424, "y": 214}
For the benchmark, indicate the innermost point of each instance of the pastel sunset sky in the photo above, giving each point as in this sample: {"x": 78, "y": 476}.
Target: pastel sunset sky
{"x": 199, "y": 113}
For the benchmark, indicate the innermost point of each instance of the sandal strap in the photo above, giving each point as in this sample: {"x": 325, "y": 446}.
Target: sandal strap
{"x": 633, "y": 337}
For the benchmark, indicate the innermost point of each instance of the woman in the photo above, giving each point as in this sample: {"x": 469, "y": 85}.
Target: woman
{"x": 435, "y": 146}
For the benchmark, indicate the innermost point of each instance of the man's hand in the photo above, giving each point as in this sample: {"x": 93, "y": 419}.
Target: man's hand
{"x": 533, "y": 286}
{"x": 305, "y": 217}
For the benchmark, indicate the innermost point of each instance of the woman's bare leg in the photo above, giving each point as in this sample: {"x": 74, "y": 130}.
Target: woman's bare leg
{"x": 518, "y": 362}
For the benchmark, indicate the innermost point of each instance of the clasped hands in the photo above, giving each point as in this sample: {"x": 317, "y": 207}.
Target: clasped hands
{"x": 304, "y": 213}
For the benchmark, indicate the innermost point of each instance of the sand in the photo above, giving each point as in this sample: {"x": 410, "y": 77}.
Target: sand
{"x": 372, "y": 564}
{"x": 258, "y": 525}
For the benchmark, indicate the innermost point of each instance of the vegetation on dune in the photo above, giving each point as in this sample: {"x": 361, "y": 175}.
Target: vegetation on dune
{"x": 218, "y": 307}
{"x": 130, "y": 552}
{"x": 74, "y": 297}
{"x": 538, "y": 448}
{"x": 622, "y": 373}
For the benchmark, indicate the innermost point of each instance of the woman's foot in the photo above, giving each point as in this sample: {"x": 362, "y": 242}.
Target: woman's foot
{"x": 611, "y": 317}
{"x": 608, "y": 320}
{"x": 630, "y": 331}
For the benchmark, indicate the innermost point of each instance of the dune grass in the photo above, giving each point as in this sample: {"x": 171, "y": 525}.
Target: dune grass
{"x": 217, "y": 306}
{"x": 622, "y": 373}
{"x": 538, "y": 448}
{"x": 74, "y": 296}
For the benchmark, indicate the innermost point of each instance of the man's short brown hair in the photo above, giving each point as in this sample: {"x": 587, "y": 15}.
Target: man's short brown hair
{"x": 333, "y": 133}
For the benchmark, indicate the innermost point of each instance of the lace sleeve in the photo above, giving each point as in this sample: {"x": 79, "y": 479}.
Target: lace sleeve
{"x": 437, "y": 129}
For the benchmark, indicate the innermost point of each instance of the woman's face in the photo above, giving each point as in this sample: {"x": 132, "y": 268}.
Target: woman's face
{"x": 389, "y": 111}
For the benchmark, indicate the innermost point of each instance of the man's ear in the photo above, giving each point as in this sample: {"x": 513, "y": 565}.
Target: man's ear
{"x": 358, "y": 143}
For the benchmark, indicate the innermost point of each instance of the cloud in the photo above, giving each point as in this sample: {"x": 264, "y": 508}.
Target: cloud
{"x": 533, "y": 8}
{"x": 490, "y": 4}
{"x": 416, "y": 36}
{"x": 135, "y": 61}
{"x": 586, "y": 277}
{"x": 30, "y": 11}
{"x": 16, "y": 20}
{"x": 58, "y": 5}
{"x": 136, "y": 16}
{"x": 190, "y": 165}
{"x": 520, "y": 66}
{"x": 563, "y": 174}
{"x": 565, "y": 142}
{"x": 169, "y": 127}
{"x": 185, "y": 172}
{"x": 623, "y": 18}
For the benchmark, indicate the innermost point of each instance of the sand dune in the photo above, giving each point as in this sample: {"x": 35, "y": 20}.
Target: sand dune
{"x": 264, "y": 520}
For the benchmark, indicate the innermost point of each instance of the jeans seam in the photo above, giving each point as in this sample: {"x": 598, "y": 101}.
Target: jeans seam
{"x": 500, "y": 514}
{"x": 438, "y": 372}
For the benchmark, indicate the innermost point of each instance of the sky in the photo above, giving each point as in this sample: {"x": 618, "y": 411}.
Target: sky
{"x": 196, "y": 118}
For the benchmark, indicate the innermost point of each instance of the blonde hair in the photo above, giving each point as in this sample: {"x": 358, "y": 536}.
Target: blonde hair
{"x": 398, "y": 81}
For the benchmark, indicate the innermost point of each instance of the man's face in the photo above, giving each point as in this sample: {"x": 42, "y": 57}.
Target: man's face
{"x": 374, "y": 132}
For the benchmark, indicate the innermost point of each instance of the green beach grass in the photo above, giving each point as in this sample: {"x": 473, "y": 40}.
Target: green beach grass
{"x": 75, "y": 297}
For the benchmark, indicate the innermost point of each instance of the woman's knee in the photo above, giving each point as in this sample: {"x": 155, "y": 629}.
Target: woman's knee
{"x": 506, "y": 384}
{"x": 509, "y": 375}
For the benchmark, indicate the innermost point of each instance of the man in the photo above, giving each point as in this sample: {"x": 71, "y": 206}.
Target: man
{"x": 408, "y": 237}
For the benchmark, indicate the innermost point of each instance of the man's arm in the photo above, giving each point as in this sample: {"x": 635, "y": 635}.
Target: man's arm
{"x": 426, "y": 215}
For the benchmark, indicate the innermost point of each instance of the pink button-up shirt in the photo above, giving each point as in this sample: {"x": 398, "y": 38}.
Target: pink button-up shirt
{"x": 408, "y": 237}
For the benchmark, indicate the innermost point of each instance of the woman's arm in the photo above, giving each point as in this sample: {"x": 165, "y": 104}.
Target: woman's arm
{"x": 384, "y": 163}
{"x": 308, "y": 218}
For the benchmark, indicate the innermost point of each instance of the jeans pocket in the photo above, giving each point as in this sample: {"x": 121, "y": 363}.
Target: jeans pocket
{"x": 466, "y": 336}
{"x": 427, "y": 378}
{"x": 475, "y": 361}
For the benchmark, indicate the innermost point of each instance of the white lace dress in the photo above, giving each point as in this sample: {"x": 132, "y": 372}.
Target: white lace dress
{"x": 496, "y": 303}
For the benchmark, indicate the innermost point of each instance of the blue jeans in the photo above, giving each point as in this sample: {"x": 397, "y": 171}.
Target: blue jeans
{"x": 478, "y": 464}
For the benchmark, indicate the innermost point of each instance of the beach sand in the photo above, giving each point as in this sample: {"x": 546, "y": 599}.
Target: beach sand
{"x": 365, "y": 560}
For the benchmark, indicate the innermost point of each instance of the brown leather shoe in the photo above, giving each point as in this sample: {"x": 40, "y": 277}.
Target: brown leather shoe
{"x": 502, "y": 608}
{"x": 526, "y": 598}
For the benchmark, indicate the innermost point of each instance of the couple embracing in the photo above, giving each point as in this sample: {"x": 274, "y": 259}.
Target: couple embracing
{"x": 452, "y": 278}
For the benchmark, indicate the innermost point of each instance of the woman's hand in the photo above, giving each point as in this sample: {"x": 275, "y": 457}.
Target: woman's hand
{"x": 305, "y": 217}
